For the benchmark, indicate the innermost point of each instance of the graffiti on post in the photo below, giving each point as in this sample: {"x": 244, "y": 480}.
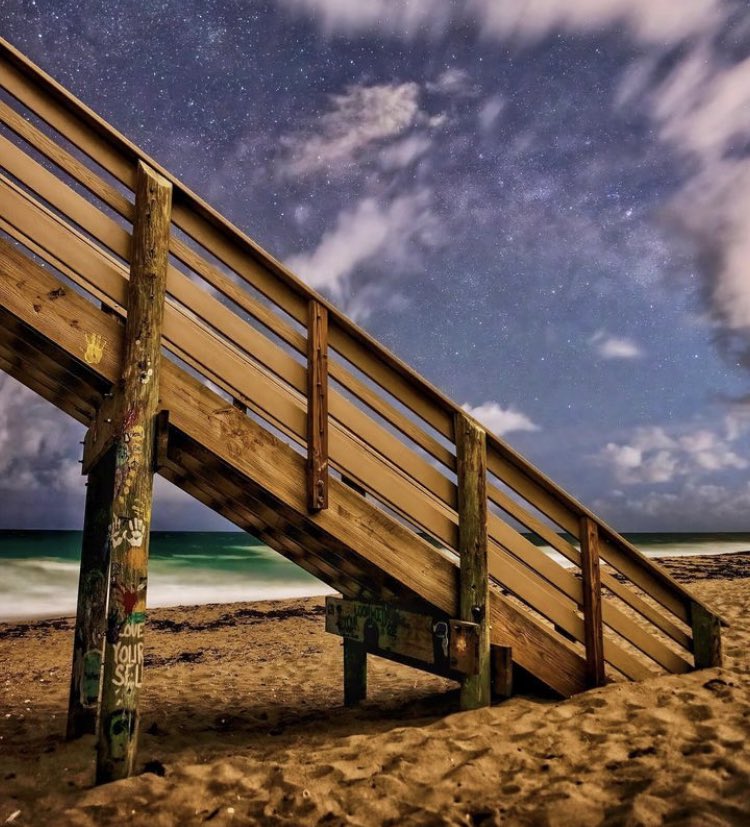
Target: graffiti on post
{"x": 129, "y": 457}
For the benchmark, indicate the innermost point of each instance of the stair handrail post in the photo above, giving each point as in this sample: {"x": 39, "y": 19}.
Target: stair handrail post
{"x": 317, "y": 407}
{"x": 592, "y": 602}
{"x": 474, "y": 594}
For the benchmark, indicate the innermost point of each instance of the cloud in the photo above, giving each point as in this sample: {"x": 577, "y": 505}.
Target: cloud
{"x": 614, "y": 347}
{"x": 649, "y": 21}
{"x": 490, "y": 111}
{"x": 359, "y": 118}
{"x": 692, "y": 507}
{"x": 500, "y": 420}
{"x": 702, "y": 110}
{"x": 654, "y": 456}
{"x": 40, "y": 478}
{"x": 397, "y": 17}
{"x": 404, "y": 152}
{"x": 390, "y": 231}
{"x": 453, "y": 81}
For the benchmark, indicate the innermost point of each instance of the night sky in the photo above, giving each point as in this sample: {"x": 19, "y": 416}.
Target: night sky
{"x": 543, "y": 206}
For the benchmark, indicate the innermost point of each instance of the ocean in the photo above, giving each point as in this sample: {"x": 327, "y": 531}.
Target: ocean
{"x": 39, "y": 569}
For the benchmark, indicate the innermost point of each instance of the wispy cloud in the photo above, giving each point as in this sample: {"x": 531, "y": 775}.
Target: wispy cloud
{"x": 402, "y": 18}
{"x": 615, "y": 347}
{"x": 359, "y": 119}
{"x": 501, "y": 420}
{"x": 453, "y": 81}
{"x": 655, "y": 456}
{"x": 651, "y": 21}
{"x": 702, "y": 110}
{"x": 390, "y": 231}
{"x": 490, "y": 111}
{"x": 404, "y": 152}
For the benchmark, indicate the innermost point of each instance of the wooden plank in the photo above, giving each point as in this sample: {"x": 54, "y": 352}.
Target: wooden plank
{"x": 161, "y": 439}
{"x": 706, "y": 637}
{"x": 592, "y": 603}
{"x": 502, "y": 671}
{"x": 317, "y": 407}
{"x": 471, "y": 457}
{"x": 449, "y": 646}
{"x": 101, "y": 434}
{"x": 133, "y": 486}
{"x": 244, "y": 445}
{"x": 91, "y": 612}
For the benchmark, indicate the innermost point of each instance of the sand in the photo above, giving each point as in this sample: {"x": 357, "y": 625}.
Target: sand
{"x": 243, "y": 724}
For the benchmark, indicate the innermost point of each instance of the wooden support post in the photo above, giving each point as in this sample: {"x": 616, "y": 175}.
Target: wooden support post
{"x": 502, "y": 671}
{"x": 317, "y": 407}
{"x": 471, "y": 455}
{"x": 355, "y": 672}
{"x": 592, "y": 603}
{"x": 706, "y": 637}
{"x": 131, "y": 507}
{"x": 92, "y": 600}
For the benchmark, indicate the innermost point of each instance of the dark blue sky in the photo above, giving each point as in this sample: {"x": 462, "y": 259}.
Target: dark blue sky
{"x": 545, "y": 208}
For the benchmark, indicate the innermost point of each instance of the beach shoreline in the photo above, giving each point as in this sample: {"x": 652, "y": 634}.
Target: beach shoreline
{"x": 243, "y": 723}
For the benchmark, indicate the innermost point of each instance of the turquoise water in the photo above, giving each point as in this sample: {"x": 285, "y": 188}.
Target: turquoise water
{"x": 39, "y": 569}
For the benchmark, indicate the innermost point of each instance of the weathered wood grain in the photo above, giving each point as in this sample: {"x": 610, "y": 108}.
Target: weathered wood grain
{"x": 448, "y": 646}
{"x": 592, "y": 603}
{"x": 706, "y": 637}
{"x": 91, "y": 612}
{"x": 471, "y": 457}
{"x": 136, "y": 403}
{"x": 317, "y": 407}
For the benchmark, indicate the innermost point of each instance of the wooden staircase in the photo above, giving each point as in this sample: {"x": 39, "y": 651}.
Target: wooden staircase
{"x": 369, "y": 504}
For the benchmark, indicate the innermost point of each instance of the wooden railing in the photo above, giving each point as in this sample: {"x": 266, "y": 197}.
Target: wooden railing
{"x": 239, "y": 319}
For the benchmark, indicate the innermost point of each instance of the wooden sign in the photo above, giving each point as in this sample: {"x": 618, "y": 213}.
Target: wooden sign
{"x": 444, "y": 645}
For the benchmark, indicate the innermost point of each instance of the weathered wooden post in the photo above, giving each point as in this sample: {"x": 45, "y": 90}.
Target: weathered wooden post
{"x": 92, "y": 600}
{"x": 135, "y": 410}
{"x": 474, "y": 603}
{"x": 502, "y": 671}
{"x": 317, "y": 407}
{"x": 706, "y": 637}
{"x": 355, "y": 672}
{"x": 592, "y": 602}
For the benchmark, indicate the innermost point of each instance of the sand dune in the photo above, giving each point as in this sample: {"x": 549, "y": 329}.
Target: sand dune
{"x": 243, "y": 724}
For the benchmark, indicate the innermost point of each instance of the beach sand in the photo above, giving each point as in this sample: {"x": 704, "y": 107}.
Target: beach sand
{"x": 243, "y": 724}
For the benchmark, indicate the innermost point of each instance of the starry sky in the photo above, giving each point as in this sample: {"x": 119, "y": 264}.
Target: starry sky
{"x": 543, "y": 206}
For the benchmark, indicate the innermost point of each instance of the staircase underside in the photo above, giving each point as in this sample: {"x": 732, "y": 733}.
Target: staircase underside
{"x": 238, "y": 468}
